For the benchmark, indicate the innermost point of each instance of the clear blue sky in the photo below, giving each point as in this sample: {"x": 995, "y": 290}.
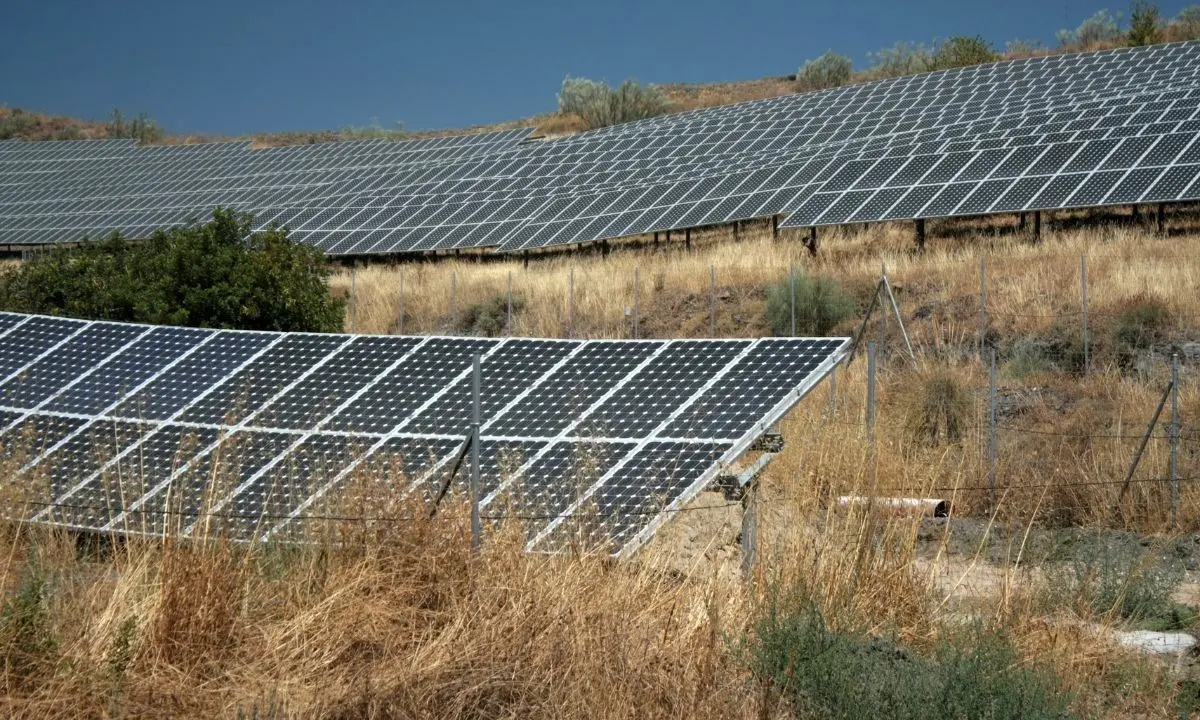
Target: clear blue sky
{"x": 237, "y": 67}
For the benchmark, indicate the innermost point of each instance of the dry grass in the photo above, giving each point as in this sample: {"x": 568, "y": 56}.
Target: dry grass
{"x": 399, "y": 620}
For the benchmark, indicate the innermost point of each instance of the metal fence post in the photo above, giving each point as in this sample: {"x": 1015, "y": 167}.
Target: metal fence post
{"x": 353, "y": 299}
{"x": 871, "y": 390}
{"x": 982, "y": 304}
{"x": 792, "y": 285}
{"x": 712, "y": 300}
{"x": 571, "y": 306}
{"x": 476, "y": 529}
{"x": 992, "y": 428}
{"x": 453, "y": 302}
{"x": 1084, "y": 286}
{"x": 508, "y": 308}
{"x": 1174, "y": 440}
{"x": 636, "y": 293}
{"x": 400, "y": 324}
{"x": 833, "y": 392}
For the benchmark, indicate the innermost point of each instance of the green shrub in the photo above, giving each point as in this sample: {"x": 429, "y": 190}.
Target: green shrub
{"x": 1139, "y": 324}
{"x": 489, "y": 318}
{"x": 830, "y": 70}
{"x": 1144, "y": 24}
{"x": 1186, "y": 25}
{"x": 140, "y": 127}
{"x": 599, "y": 105}
{"x": 1120, "y": 579}
{"x": 820, "y": 302}
{"x": 27, "y": 639}
{"x": 1097, "y": 29}
{"x": 16, "y": 123}
{"x": 827, "y": 674}
{"x": 218, "y": 275}
{"x": 1060, "y": 348}
{"x": 963, "y": 51}
{"x": 901, "y": 59}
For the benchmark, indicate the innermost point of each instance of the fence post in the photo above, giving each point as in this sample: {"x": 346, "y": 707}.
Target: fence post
{"x": 749, "y": 529}
{"x": 400, "y": 325}
{"x": 1175, "y": 440}
{"x": 992, "y": 429}
{"x": 353, "y": 299}
{"x": 833, "y": 392}
{"x": 453, "y": 303}
{"x": 508, "y": 308}
{"x": 712, "y": 300}
{"x": 871, "y": 390}
{"x": 792, "y": 285}
{"x": 883, "y": 321}
{"x": 982, "y": 305}
{"x": 474, "y": 489}
{"x": 636, "y": 297}
{"x": 1084, "y": 285}
{"x": 571, "y": 306}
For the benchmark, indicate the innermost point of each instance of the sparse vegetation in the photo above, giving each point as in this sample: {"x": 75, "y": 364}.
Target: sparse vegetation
{"x": 963, "y": 51}
{"x": 139, "y": 127}
{"x": 820, "y": 304}
{"x": 1144, "y": 24}
{"x": 936, "y": 408}
{"x": 1094, "y": 32}
{"x": 218, "y": 274}
{"x": 599, "y": 105}
{"x": 848, "y": 674}
{"x": 490, "y": 317}
{"x": 901, "y": 59}
{"x": 830, "y": 70}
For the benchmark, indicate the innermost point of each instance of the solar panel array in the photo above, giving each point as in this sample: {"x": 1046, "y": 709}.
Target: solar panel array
{"x": 137, "y": 428}
{"x": 1078, "y": 130}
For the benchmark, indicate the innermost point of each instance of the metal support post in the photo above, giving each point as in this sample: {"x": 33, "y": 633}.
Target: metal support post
{"x": 453, "y": 302}
{"x": 571, "y": 306}
{"x": 920, "y": 230}
{"x": 1037, "y": 225}
{"x": 636, "y": 298}
{"x": 982, "y": 304}
{"x": 400, "y": 322}
{"x": 353, "y": 299}
{"x": 774, "y": 227}
{"x": 792, "y": 286}
{"x": 476, "y": 528}
{"x": 1083, "y": 284}
{"x": 712, "y": 300}
{"x": 1161, "y": 218}
{"x": 749, "y": 539}
{"x": 833, "y": 392}
{"x": 687, "y": 239}
{"x": 812, "y": 240}
{"x": 1175, "y": 440}
{"x": 992, "y": 429}
{"x": 508, "y": 308}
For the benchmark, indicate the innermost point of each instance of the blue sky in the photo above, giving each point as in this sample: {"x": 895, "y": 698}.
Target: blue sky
{"x": 228, "y": 67}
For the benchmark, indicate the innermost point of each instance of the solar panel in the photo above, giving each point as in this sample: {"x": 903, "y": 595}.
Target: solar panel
{"x": 130, "y": 428}
{"x": 947, "y": 139}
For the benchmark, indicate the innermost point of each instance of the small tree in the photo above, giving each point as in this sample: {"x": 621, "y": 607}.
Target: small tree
{"x": 1144, "y": 21}
{"x": 1098, "y": 29}
{"x": 828, "y": 71}
{"x": 140, "y": 127}
{"x": 963, "y": 51}
{"x": 1186, "y": 25}
{"x": 600, "y": 105}
{"x": 219, "y": 275}
{"x": 901, "y": 59}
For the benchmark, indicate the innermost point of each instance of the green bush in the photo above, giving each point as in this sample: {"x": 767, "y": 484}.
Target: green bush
{"x": 140, "y": 127}
{"x": 1139, "y": 324}
{"x": 1059, "y": 348}
{"x": 1099, "y": 28}
{"x": 830, "y": 70}
{"x": 599, "y": 105}
{"x": 27, "y": 640}
{"x": 963, "y": 51}
{"x": 489, "y": 318}
{"x": 827, "y": 674}
{"x": 1120, "y": 579}
{"x": 901, "y": 59}
{"x": 1144, "y": 24}
{"x": 218, "y": 275}
{"x": 1186, "y": 25}
{"x": 16, "y": 123}
{"x": 821, "y": 305}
